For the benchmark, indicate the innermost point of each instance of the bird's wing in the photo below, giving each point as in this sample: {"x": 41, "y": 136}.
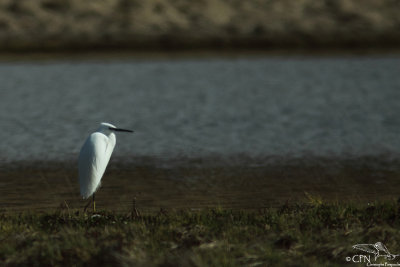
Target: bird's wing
{"x": 366, "y": 247}
{"x": 93, "y": 161}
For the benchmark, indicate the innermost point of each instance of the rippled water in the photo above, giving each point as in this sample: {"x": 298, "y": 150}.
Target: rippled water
{"x": 198, "y": 107}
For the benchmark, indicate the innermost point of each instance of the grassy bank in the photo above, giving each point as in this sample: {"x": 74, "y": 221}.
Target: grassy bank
{"x": 297, "y": 235}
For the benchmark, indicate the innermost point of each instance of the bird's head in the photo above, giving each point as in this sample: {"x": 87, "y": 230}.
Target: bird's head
{"x": 109, "y": 128}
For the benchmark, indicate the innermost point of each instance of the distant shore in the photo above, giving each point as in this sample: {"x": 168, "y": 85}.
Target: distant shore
{"x": 54, "y": 25}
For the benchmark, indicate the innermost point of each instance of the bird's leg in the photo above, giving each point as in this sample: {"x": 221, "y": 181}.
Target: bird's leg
{"x": 134, "y": 213}
{"x": 87, "y": 205}
{"x": 94, "y": 204}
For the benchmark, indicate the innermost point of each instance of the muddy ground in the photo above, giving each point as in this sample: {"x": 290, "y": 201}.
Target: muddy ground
{"x": 199, "y": 183}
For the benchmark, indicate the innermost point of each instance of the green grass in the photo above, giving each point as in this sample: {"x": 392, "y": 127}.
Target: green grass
{"x": 314, "y": 234}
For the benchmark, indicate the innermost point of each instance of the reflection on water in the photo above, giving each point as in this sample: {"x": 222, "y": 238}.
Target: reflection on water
{"x": 266, "y": 106}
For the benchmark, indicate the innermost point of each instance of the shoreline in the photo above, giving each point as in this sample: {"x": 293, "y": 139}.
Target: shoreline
{"x": 201, "y": 53}
{"x": 379, "y": 161}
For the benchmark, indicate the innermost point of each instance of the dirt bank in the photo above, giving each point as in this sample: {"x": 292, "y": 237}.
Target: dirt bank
{"x": 153, "y": 24}
{"x": 199, "y": 183}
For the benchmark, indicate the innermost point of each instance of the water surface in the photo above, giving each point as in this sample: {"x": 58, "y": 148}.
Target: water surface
{"x": 199, "y": 107}
{"x": 238, "y": 132}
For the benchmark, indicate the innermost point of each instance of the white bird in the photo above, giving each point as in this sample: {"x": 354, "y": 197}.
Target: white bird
{"x": 93, "y": 158}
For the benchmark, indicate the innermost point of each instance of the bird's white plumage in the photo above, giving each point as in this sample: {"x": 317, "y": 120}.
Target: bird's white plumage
{"x": 94, "y": 157}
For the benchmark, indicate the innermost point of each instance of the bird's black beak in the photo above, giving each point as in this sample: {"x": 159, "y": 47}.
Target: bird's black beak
{"x": 120, "y": 130}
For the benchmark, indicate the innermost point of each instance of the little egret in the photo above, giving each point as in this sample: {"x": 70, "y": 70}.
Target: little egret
{"x": 93, "y": 158}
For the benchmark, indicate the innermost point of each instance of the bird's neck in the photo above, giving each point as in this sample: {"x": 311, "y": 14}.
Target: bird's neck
{"x": 109, "y": 134}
